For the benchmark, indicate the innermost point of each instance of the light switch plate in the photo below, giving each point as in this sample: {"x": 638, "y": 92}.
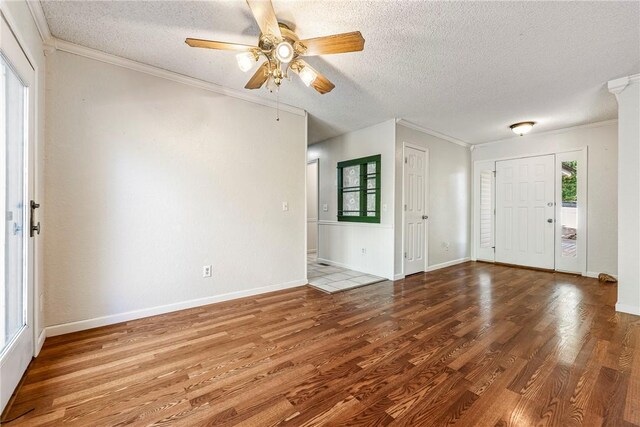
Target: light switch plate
{"x": 285, "y": 206}
{"x": 325, "y": 207}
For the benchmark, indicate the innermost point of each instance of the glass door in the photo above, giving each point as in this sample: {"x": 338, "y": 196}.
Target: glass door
{"x": 16, "y": 135}
{"x": 571, "y": 211}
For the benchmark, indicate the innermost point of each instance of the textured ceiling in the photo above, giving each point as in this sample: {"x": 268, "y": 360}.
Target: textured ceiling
{"x": 464, "y": 69}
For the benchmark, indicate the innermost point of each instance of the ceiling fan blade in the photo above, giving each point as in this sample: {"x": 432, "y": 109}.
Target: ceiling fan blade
{"x": 265, "y": 17}
{"x": 210, "y": 44}
{"x": 337, "y": 43}
{"x": 261, "y": 75}
{"x": 321, "y": 83}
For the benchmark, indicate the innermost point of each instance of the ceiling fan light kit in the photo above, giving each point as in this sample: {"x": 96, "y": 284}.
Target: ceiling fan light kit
{"x": 307, "y": 76}
{"x": 246, "y": 60}
{"x": 522, "y": 127}
{"x": 283, "y": 51}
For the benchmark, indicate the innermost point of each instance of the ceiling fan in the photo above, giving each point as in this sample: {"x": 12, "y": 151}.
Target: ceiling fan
{"x": 283, "y": 51}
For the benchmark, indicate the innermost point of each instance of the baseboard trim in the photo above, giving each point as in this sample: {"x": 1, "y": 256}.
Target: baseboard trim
{"x": 398, "y": 277}
{"x": 629, "y": 309}
{"x": 82, "y": 325}
{"x": 448, "y": 264}
{"x": 40, "y": 342}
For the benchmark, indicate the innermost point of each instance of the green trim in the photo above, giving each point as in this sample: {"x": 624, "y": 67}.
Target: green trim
{"x": 362, "y": 189}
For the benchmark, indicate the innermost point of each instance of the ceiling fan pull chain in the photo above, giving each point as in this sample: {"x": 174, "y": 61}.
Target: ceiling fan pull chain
{"x": 278, "y": 104}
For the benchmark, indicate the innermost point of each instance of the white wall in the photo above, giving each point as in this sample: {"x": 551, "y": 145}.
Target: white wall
{"x": 148, "y": 180}
{"x": 449, "y": 198}
{"x": 627, "y": 91}
{"x": 22, "y": 24}
{"x": 601, "y": 140}
{"x": 342, "y": 243}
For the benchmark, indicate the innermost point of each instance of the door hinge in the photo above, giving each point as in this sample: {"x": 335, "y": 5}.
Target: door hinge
{"x": 405, "y": 160}
{"x": 405, "y": 255}
{"x": 405, "y": 207}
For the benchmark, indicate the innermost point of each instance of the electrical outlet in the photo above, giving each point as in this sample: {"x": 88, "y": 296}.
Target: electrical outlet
{"x": 445, "y": 245}
{"x": 206, "y": 271}
{"x": 364, "y": 251}
{"x": 285, "y": 206}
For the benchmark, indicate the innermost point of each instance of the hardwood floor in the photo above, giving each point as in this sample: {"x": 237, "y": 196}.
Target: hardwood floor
{"x": 470, "y": 345}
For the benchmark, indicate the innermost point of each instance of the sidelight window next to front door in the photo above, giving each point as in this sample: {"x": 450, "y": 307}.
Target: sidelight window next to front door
{"x": 531, "y": 211}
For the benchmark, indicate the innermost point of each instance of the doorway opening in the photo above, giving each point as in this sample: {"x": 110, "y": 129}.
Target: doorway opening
{"x": 531, "y": 211}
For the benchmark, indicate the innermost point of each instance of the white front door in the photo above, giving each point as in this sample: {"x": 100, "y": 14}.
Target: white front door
{"x": 16, "y": 178}
{"x": 415, "y": 216}
{"x": 525, "y": 211}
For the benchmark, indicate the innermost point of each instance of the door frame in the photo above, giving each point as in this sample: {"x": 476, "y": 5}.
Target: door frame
{"x": 406, "y": 145}
{"x": 583, "y": 206}
{"x": 26, "y": 341}
{"x": 317, "y": 162}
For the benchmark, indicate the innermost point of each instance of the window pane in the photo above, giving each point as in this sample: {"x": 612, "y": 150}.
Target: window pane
{"x": 371, "y": 167}
{"x": 371, "y": 184}
{"x": 371, "y": 204}
{"x": 569, "y": 209}
{"x": 12, "y": 299}
{"x": 351, "y": 203}
{"x": 351, "y": 176}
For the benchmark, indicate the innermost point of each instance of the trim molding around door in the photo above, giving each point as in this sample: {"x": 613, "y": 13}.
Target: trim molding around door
{"x": 583, "y": 207}
{"x": 317, "y": 218}
{"x": 406, "y": 145}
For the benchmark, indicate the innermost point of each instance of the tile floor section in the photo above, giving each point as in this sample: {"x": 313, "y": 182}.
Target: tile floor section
{"x": 335, "y": 279}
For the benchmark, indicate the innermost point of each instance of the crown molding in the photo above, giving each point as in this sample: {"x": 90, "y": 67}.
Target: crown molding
{"x": 51, "y": 44}
{"x": 616, "y": 86}
{"x": 448, "y": 138}
{"x": 550, "y": 132}
{"x": 35, "y": 7}
{"x": 119, "y": 61}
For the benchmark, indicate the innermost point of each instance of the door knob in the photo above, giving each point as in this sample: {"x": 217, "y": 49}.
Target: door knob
{"x": 425, "y": 216}
{"x": 550, "y": 221}
{"x": 35, "y": 228}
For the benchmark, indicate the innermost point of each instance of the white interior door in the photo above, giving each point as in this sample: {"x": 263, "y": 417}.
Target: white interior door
{"x": 525, "y": 211}
{"x": 16, "y": 175}
{"x": 312, "y": 207}
{"x": 415, "y": 210}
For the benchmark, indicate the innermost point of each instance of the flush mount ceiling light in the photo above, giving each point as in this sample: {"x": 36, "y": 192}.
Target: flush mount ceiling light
{"x": 522, "y": 127}
{"x": 283, "y": 51}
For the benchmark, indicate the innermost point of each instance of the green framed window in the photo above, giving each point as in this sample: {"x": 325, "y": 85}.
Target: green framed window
{"x": 359, "y": 190}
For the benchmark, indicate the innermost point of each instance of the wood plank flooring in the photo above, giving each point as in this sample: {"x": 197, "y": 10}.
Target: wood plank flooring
{"x": 470, "y": 345}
